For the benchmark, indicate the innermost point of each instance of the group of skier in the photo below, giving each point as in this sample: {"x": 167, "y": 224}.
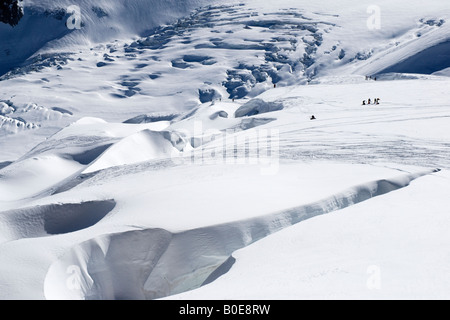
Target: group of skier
{"x": 375, "y": 101}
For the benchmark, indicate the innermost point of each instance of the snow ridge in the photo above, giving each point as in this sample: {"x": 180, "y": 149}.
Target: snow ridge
{"x": 43, "y": 221}
{"x": 159, "y": 263}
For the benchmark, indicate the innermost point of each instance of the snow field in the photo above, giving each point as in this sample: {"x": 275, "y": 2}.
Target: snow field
{"x": 391, "y": 247}
{"x": 180, "y": 161}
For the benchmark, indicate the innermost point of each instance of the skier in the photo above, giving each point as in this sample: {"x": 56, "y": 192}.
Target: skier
{"x": 370, "y": 101}
{"x": 364, "y": 102}
{"x": 313, "y": 117}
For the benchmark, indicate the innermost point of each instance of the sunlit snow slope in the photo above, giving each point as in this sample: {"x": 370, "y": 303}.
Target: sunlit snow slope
{"x": 166, "y": 150}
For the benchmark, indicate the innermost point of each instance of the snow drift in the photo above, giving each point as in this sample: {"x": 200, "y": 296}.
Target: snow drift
{"x": 155, "y": 263}
{"x": 142, "y": 146}
{"x": 42, "y": 221}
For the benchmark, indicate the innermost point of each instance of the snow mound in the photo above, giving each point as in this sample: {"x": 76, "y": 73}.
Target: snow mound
{"x": 6, "y": 108}
{"x": 142, "y": 146}
{"x": 54, "y": 219}
{"x": 143, "y": 118}
{"x": 15, "y": 125}
{"x": 42, "y": 113}
{"x": 74, "y": 148}
{"x": 30, "y": 176}
{"x": 156, "y": 263}
{"x": 257, "y": 106}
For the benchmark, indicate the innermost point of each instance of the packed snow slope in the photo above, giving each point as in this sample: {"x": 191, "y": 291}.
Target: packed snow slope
{"x": 388, "y": 248}
{"x": 166, "y": 150}
{"x": 132, "y": 58}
